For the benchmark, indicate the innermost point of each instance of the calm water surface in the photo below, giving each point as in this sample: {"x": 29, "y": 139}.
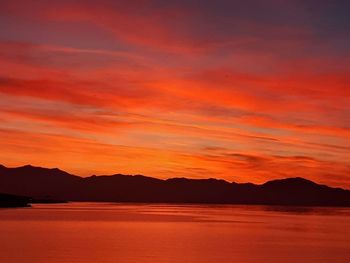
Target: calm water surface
{"x": 105, "y": 232}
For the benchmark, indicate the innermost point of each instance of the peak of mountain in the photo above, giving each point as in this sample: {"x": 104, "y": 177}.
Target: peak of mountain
{"x": 31, "y": 167}
{"x": 34, "y": 170}
{"x": 294, "y": 181}
{"x": 56, "y": 184}
{"x": 28, "y": 166}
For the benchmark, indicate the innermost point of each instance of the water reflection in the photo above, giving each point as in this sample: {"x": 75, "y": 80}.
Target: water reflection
{"x": 308, "y": 210}
{"x": 96, "y": 232}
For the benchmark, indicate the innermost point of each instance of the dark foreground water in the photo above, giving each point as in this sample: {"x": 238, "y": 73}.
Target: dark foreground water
{"x": 104, "y": 232}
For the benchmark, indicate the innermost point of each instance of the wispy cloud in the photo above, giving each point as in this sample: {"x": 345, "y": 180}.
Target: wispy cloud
{"x": 229, "y": 90}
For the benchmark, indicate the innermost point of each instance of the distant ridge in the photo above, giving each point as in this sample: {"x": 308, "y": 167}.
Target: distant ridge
{"x": 56, "y": 184}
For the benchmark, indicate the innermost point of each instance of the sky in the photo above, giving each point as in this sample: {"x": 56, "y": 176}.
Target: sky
{"x": 246, "y": 91}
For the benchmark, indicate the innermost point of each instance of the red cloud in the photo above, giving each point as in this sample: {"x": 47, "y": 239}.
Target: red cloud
{"x": 270, "y": 94}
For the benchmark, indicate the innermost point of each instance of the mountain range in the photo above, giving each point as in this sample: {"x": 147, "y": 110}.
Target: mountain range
{"x": 55, "y": 184}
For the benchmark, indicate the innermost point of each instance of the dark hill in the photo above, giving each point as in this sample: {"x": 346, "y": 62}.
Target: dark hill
{"x": 43, "y": 183}
{"x": 7, "y": 201}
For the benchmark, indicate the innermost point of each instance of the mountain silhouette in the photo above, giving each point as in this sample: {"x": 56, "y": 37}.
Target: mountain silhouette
{"x": 55, "y": 184}
{"x": 7, "y": 200}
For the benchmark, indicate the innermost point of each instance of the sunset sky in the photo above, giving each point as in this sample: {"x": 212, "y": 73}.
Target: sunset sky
{"x": 238, "y": 90}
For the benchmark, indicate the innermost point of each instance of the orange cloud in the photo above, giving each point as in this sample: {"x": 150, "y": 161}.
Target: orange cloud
{"x": 173, "y": 89}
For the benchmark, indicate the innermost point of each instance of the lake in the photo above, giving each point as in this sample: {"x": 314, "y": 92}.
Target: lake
{"x": 145, "y": 233}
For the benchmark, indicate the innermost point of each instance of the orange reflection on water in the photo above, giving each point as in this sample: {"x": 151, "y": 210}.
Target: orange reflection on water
{"x": 88, "y": 232}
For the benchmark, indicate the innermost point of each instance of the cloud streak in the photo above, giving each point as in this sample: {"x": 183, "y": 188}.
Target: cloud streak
{"x": 177, "y": 88}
